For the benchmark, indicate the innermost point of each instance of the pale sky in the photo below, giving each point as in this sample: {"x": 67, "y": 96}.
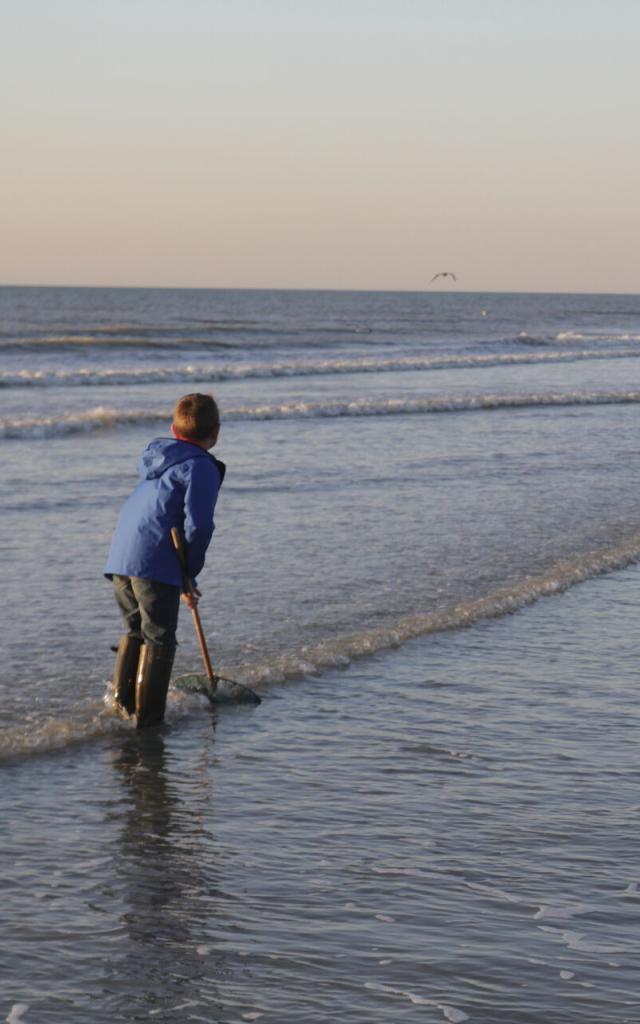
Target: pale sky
{"x": 321, "y": 143}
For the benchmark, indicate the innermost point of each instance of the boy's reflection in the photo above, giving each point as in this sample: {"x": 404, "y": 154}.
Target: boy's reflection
{"x": 170, "y": 883}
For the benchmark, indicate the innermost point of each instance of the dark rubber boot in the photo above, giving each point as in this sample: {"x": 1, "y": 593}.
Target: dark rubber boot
{"x": 154, "y": 673}
{"x": 125, "y": 673}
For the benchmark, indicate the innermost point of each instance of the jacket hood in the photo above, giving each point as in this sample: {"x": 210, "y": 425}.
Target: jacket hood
{"x": 164, "y": 452}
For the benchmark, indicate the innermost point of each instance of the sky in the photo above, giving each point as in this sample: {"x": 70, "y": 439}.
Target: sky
{"x": 352, "y": 144}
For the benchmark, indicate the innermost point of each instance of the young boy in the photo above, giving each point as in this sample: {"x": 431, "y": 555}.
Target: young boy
{"x": 179, "y": 487}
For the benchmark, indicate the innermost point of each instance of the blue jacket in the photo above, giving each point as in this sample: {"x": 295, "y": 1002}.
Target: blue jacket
{"x": 179, "y": 487}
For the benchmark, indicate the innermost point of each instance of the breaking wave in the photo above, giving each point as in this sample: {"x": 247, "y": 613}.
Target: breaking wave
{"x": 90, "y": 376}
{"x": 97, "y": 720}
{"x": 567, "y": 336}
{"x": 574, "y": 339}
{"x": 102, "y": 417}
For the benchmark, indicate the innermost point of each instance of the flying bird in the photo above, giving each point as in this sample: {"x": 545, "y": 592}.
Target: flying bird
{"x": 443, "y": 273}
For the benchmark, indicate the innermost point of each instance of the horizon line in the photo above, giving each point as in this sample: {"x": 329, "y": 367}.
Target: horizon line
{"x": 260, "y": 288}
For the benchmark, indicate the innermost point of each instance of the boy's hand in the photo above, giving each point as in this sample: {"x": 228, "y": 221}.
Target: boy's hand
{"x": 191, "y": 599}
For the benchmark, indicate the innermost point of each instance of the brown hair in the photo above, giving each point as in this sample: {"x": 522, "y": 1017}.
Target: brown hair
{"x": 196, "y": 416}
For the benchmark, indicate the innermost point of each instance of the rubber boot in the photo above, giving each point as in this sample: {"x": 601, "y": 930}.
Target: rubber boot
{"x": 124, "y": 674}
{"x": 154, "y": 674}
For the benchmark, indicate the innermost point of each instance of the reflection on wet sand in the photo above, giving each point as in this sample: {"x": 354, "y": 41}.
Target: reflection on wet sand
{"x": 170, "y": 879}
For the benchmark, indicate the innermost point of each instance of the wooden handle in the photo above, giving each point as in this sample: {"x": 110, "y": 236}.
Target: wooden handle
{"x": 204, "y": 650}
{"x": 187, "y": 586}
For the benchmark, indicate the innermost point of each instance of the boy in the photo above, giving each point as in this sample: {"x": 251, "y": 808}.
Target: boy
{"x": 179, "y": 487}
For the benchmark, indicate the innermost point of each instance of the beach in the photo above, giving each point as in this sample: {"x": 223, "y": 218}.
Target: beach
{"x": 425, "y": 562}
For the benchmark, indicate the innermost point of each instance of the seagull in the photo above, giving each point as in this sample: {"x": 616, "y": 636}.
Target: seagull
{"x": 443, "y": 273}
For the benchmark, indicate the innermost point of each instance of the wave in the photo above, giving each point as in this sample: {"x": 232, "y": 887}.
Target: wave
{"x": 97, "y": 720}
{"x": 593, "y": 336}
{"x": 235, "y": 336}
{"x": 92, "y": 340}
{"x": 198, "y": 332}
{"x": 101, "y": 417}
{"x": 337, "y": 652}
{"x": 573, "y": 337}
{"x": 91, "y": 377}
{"x": 75, "y": 423}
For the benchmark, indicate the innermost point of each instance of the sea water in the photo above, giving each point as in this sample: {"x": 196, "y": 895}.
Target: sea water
{"x": 431, "y": 815}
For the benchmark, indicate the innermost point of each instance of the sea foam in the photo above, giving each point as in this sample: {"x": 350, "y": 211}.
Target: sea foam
{"x": 102, "y": 417}
{"x": 218, "y": 372}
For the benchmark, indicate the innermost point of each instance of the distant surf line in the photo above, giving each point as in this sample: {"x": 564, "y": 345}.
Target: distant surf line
{"x": 91, "y": 377}
{"x": 237, "y": 336}
{"x": 101, "y": 418}
{"x": 172, "y": 336}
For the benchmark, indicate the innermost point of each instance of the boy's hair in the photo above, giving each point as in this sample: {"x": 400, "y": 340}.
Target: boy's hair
{"x": 196, "y": 416}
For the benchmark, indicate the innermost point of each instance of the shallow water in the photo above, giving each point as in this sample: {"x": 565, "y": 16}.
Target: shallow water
{"x": 444, "y": 832}
{"x": 431, "y": 816}
{"x": 363, "y": 504}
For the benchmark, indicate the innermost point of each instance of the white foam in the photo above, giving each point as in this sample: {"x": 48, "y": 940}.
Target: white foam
{"x": 74, "y": 423}
{"x": 594, "y": 336}
{"x": 95, "y": 720}
{"x": 577, "y": 941}
{"x": 417, "y": 406}
{"x": 454, "y": 1015}
{"x": 175, "y": 1009}
{"x": 559, "y": 911}
{"x": 451, "y": 1013}
{"x": 101, "y": 417}
{"x": 105, "y": 377}
{"x": 17, "y": 1012}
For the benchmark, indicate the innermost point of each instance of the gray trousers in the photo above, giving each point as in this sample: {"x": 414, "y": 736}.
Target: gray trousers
{"x": 149, "y": 609}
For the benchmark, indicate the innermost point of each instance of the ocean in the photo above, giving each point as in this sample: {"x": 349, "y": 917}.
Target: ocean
{"x": 424, "y": 561}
